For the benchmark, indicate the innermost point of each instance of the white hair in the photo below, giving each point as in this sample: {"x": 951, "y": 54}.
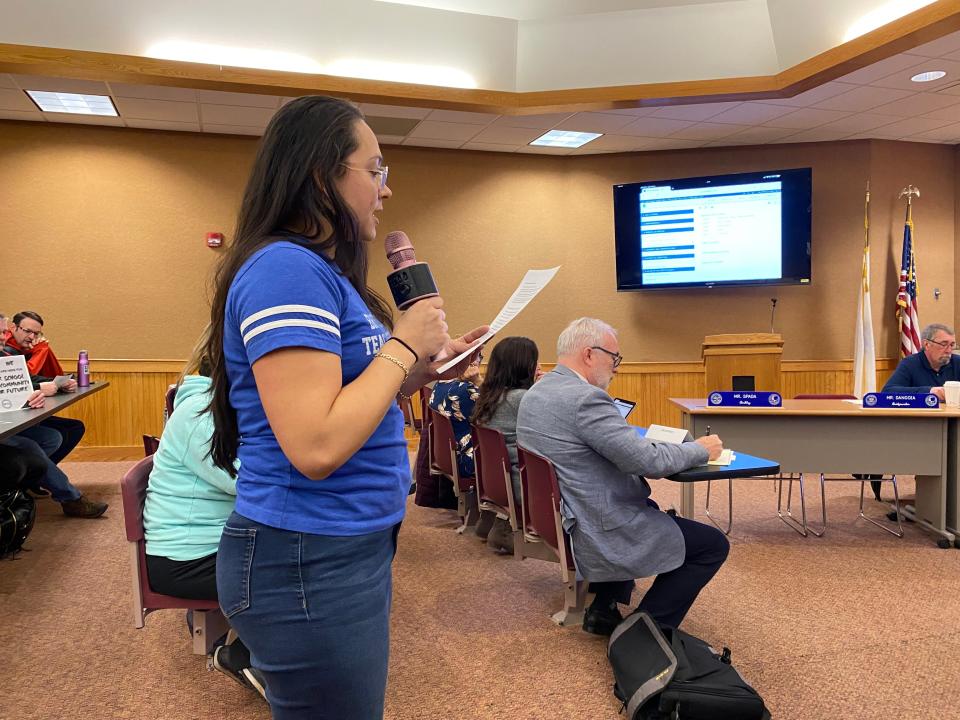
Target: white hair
{"x": 933, "y": 328}
{"x": 582, "y": 333}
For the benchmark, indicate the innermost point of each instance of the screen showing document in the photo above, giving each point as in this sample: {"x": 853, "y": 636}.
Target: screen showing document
{"x": 711, "y": 234}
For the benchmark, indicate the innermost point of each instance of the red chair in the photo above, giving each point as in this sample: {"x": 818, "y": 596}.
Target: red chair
{"x": 802, "y": 527}
{"x": 151, "y": 443}
{"x": 443, "y": 461}
{"x": 168, "y": 402}
{"x": 406, "y": 407}
{"x": 209, "y": 624}
{"x": 542, "y": 523}
{"x": 494, "y": 487}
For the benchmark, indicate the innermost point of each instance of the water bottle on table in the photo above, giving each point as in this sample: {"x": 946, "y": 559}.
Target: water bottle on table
{"x": 83, "y": 370}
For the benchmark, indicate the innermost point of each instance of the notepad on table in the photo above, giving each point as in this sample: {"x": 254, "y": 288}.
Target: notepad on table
{"x": 726, "y": 457}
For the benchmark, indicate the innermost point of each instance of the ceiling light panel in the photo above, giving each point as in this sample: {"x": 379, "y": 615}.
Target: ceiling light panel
{"x": 73, "y": 103}
{"x": 564, "y": 139}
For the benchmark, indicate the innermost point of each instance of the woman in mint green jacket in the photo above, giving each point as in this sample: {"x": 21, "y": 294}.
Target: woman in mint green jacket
{"x": 188, "y": 502}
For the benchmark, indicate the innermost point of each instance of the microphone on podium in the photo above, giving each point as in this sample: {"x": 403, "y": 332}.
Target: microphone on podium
{"x": 410, "y": 280}
{"x": 773, "y": 310}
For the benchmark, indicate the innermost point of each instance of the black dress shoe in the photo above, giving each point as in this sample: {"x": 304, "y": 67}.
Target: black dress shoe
{"x": 601, "y": 620}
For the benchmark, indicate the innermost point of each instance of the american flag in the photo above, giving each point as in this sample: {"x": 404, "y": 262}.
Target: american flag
{"x": 907, "y": 293}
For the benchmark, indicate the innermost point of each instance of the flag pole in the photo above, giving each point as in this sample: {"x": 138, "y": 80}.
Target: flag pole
{"x": 910, "y": 192}
{"x": 864, "y": 352}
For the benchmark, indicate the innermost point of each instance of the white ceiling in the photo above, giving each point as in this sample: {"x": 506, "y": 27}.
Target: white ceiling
{"x": 651, "y": 41}
{"x": 878, "y": 101}
{"x": 538, "y": 9}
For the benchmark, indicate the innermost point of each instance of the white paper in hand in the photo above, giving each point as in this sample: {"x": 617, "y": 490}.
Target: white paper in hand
{"x": 531, "y": 284}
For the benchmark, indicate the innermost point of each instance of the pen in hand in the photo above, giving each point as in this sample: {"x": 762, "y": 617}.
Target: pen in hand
{"x": 708, "y": 430}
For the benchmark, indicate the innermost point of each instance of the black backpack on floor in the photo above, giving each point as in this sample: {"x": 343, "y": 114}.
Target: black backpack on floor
{"x": 18, "y": 470}
{"x": 17, "y": 514}
{"x": 663, "y": 673}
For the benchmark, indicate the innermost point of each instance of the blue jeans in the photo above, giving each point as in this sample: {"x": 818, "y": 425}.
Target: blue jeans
{"x": 47, "y": 438}
{"x": 56, "y": 435}
{"x": 315, "y": 612}
{"x": 54, "y": 479}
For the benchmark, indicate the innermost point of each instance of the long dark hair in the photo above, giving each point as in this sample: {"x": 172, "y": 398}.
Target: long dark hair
{"x": 290, "y": 192}
{"x": 513, "y": 364}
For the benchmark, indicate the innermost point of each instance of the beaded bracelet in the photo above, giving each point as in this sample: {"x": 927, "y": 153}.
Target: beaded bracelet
{"x": 397, "y": 362}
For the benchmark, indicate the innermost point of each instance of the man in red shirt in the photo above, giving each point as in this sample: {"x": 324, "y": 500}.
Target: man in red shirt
{"x": 25, "y": 338}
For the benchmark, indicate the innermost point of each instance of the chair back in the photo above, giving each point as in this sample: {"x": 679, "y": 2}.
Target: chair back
{"x": 492, "y": 460}
{"x": 443, "y": 446}
{"x": 409, "y": 417}
{"x": 133, "y": 492}
{"x": 541, "y": 503}
{"x": 151, "y": 443}
{"x": 168, "y": 402}
{"x": 427, "y": 426}
{"x": 824, "y": 397}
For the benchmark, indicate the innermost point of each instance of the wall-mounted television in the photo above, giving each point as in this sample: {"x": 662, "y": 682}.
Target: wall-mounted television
{"x": 740, "y": 229}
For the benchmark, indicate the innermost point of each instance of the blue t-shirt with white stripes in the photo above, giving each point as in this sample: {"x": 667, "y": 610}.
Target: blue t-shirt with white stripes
{"x": 286, "y": 295}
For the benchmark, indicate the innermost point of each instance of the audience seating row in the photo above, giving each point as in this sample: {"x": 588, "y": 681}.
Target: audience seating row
{"x": 534, "y": 517}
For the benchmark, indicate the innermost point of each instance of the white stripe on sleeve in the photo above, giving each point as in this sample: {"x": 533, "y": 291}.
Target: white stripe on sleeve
{"x": 283, "y": 309}
{"x": 293, "y": 322}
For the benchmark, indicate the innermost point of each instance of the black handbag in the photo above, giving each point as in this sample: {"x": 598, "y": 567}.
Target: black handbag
{"x": 18, "y": 511}
{"x": 18, "y": 470}
{"x": 662, "y": 673}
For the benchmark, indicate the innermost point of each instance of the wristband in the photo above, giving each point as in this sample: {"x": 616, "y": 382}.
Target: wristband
{"x": 416, "y": 358}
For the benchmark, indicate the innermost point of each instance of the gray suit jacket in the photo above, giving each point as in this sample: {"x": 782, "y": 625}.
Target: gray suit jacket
{"x": 601, "y": 463}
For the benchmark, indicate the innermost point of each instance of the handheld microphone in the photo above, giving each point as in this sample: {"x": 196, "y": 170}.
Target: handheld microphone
{"x": 410, "y": 280}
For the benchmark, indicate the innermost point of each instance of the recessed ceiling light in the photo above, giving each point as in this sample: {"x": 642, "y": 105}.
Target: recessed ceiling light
{"x": 928, "y": 76}
{"x": 565, "y": 138}
{"x": 73, "y": 103}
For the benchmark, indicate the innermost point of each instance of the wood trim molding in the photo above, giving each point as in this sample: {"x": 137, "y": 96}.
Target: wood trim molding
{"x": 123, "y": 365}
{"x": 928, "y": 23}
{"x": 787, "y": 366}
{"x": 127, "y": 365}
{"x": 831, "y": 365}
{"x": 106, "y": 453}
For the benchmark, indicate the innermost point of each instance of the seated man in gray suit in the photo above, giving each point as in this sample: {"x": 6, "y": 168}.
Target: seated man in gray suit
{"x": 618, "y": 533}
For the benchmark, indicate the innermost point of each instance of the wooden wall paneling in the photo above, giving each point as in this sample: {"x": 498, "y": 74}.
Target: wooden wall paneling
{"x": 133, "y": 404}
{"x": 131, "y": 407}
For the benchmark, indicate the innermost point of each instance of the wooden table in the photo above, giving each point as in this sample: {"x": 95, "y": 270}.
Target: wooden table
{"x": 837, "y": 436}
{"x": 17, "y": 420}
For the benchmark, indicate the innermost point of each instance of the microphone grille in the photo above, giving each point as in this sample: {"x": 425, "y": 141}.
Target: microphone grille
{"x": 400, "y": 252}
{"x": 404, "y": 255}
{"x": 396, "y": 240}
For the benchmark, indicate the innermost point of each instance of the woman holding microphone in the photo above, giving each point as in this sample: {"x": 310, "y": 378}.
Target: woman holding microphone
{"x": 305, "y": 376}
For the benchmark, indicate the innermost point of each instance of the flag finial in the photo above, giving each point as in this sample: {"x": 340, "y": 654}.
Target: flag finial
{"x": 910, "y": 192}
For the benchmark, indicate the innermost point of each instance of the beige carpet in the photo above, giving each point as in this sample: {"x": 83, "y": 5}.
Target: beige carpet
{"x": 857, "y": 624}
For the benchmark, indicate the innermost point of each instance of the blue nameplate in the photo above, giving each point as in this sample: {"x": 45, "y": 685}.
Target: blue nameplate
{"x": 922, "y": 401}
{"x": 744, "y": 399}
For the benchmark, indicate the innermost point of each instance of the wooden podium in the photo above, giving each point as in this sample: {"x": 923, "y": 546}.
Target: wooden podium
{"x": 747, "y": 361}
